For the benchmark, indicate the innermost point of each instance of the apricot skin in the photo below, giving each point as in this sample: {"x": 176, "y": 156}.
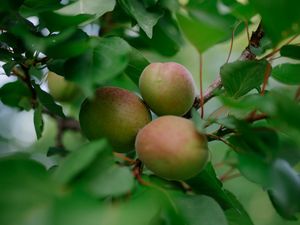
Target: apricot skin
{"x": 167, "y": 88}
{"x": 61, "y": 89}
{"x": 115, "y": 114}
{"x": 171, "y": 147}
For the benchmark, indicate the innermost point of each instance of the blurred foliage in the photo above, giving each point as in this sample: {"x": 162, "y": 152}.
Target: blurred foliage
{"x": 96, "y": 43}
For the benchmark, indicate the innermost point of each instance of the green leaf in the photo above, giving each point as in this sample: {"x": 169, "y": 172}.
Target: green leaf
{"x": 207, "y": 183}
{"x": 166, "y": 33}
{"x": 7, "y": 5}
{"x": 16, "y": 94}
{"x": 279, "y": 178}
{"x": 56, "y": 22}
{"x": 93, "y": 7}
{"x": 40, "y": 201}
{"x": 38, "y": 121}
{"x": 200, "y": 210}
{"x": 199, "y": 123}
{"x": 287, "y": 73}
{"x": 291, "y": 51}
{"x": 26, "y": 191}
{"x": 285, "y": 23}
{"x": 8, "y": 67}
{"x": 71, "y": 46}
{"x": 79, "y": 160}
{"x": 146, "y": 19}
{"x": 203, "y": 25}
{"x": 34, "y": 7}
{"x": 240, "y": 77}
{"x": 112, "y": 180}
{"x": 137, "y": 63}
{"x": 48, "y": 102}
{"x": 107, "y": 58}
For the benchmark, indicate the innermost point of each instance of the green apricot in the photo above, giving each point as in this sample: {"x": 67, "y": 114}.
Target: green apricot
{"x": 167, "y": 88}
{"x": 171, "y": 147}
{"x": 61, "y": 89}
{"x": 115, "y": 114}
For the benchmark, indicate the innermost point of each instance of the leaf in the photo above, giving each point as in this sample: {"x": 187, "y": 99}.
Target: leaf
{"x": 26, "y": 191}
{"x": 103, "y": 177}
{"x": 285, "y": 23}
{"x": 16, "y": 94}
{"x": 48, "y": 102}
{"x": 145, "y": 19}
{"x": 291, "y": 51}
{"x": 200, "y": 210}
{"x": 240, "y": 77}
{"x": 7, "y": 5}
{"x": 199, "y": 123}
{"x": 107, "y": 58}
{"x": 287, "y": 73}
{"x": 38, "y": 121}
{"x": 79, "y": 160}
{"x": 111, "y": 181}
{"x": 137, "y": 63}
{"x": 281, "y": 181}
{"x": 7, "y": 67}
{"x": 56, "y": 22}
{"x": 93, "y": 7}
{"x": 203, "y": 25}
{"x": 167, "y": 34}
{"x": 71, "y": 46}
{"x": 207, "y": 183}
{"x": 39, "y": 200}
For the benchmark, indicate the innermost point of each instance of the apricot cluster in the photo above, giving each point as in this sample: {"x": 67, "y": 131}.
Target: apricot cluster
{"x": 170, "y": 146}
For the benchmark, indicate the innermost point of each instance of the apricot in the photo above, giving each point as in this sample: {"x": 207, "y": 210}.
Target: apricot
{"x": 61, "y": 89}
{"x": 167, "y": 88}
{"x": 171, "y": 147}
{"x": 115, "y": 114}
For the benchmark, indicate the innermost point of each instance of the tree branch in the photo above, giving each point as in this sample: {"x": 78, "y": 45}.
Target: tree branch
{"x": 247, "y": 54}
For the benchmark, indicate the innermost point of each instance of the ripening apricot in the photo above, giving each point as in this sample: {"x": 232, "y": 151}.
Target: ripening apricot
{"x": 171, "y": 147}
{"x": 115, "y": 114}
{"x": 167, "y": 88}
{"x": 61, "y": 89}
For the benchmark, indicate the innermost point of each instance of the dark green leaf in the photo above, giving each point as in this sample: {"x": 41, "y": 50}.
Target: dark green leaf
{"x": 107, "y": 58}
{"x": 203, "y": 24}
{"x": 167, "y": 34}
{"x": 146, "y": 19}
{"x": 72, "y": 46}
{"x": 8, "y": 67}
{"x": 38, "y": 121}
{"x": 93, "y": 7}
{"x": 48, "y": 102}
{"x": 291, "y": 51}
{"x": 7, "y": 5}
{"x": 26, "y": 192}
{"x": 200, "y": 210}
{"x": 40, "y": 201}
{"x": 137, "y": 63}
{"x": 34, "y": 7}
{"x": 79, "y": 160}
{"x": 285, "y": 23}
{"x": 281, "y": 181}
{"x": 57, "y": 22}
{"x": 16, "y": 94}
{"x": 207, "y": 183}
{"x": 287, "y": 73}
{"x": 240, "y": 77}
{"x": 103, "y": 177}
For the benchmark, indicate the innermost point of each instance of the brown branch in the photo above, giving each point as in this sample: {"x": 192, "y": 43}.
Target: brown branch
{"x": 247, "y": 54}
{"x": 63, "y": 124}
